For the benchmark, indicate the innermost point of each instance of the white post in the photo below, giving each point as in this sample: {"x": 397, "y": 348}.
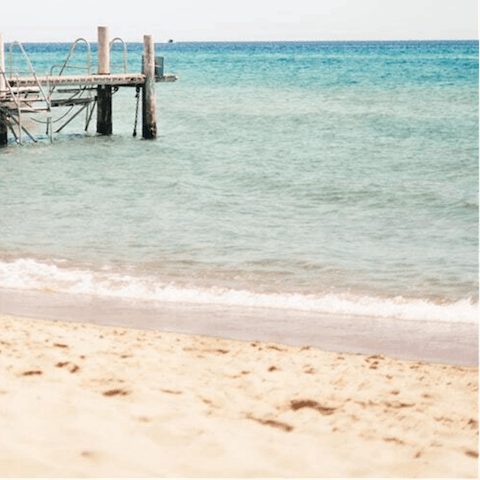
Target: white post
{"x": 103, "y": 50}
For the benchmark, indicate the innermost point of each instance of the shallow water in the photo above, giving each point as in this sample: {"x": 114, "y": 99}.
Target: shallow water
{"x": 334, "y": 177}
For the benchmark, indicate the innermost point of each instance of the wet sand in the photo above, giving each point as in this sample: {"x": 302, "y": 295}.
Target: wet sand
{"x": 83, "y": 400}
{"x": 441, "y": 342}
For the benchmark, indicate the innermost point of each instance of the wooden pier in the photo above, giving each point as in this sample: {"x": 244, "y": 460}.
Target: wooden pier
{"x": 40, "y": 94}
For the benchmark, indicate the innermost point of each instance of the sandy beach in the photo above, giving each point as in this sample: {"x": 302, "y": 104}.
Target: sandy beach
{"x": 82, "y": 400}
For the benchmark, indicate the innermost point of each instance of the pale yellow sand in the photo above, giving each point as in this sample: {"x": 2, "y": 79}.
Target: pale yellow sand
{"x": 78, "y": 400}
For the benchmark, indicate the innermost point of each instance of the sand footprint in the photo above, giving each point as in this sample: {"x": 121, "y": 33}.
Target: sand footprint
{"x": 271, "y": 423}
{"x": 71, "y": 367}
{"x": 115, "y": 392}
{"x": 306, "y": 403}
{"x": 32, "y": 372}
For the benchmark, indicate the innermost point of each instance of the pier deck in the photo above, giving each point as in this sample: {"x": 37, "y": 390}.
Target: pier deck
{"x": 120, "y": 80}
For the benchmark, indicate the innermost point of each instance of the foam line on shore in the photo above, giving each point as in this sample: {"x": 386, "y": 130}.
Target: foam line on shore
{"x": 29, "y": 274}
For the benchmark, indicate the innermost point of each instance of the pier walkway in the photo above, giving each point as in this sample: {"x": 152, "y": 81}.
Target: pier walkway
{"x": 119, "y": 80}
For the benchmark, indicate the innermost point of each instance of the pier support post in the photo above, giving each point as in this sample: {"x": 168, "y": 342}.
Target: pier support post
{"x": 3, "y": 86}
{"x": 3, "y": 130}
{"x": 149, "y": 102}
{"x": 104, "y": 92}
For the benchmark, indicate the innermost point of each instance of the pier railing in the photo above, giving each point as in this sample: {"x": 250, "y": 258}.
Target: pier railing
{"x": 125, "y": 58}
{"x": 88, "y": 67}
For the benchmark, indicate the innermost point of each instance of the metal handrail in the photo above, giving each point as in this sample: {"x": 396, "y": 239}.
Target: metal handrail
{"x": 118, "y": 39}
{"x": 71, "y": 52}
{"x": 18, "y": 137}
{"x": 30, "y": 66}
{"x": 9, "y": 87}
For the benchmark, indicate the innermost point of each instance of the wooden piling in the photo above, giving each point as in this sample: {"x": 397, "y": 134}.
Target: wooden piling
{"x": 104, "y": 92}
{"x": 149, "y": 102}
{"x": 3, "y": 86}
{"x": 3, "y": 130}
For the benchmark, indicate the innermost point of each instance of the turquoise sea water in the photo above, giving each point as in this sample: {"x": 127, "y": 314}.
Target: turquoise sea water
{"x": 334, "y": 177}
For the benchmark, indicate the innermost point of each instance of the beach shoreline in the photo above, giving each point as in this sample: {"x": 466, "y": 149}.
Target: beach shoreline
{"x": 84, "y": 400}
{"x": 455, "y": 343}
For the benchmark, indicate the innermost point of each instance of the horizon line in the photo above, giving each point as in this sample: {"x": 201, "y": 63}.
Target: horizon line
{"x": 274, "y": 41}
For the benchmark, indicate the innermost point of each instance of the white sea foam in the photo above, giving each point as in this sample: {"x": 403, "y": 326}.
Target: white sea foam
{"x": 29, "y": 274}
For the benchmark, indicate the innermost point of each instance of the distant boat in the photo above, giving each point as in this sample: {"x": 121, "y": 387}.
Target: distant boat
{"x": 170, "y": 41}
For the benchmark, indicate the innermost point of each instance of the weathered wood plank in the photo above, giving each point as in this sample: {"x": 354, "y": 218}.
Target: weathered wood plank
{"x": 69, "y": 102}
{"x": 120, "y": 80}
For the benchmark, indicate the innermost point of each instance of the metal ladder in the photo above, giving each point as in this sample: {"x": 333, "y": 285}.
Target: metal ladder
{"x": 17, "y": 101}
